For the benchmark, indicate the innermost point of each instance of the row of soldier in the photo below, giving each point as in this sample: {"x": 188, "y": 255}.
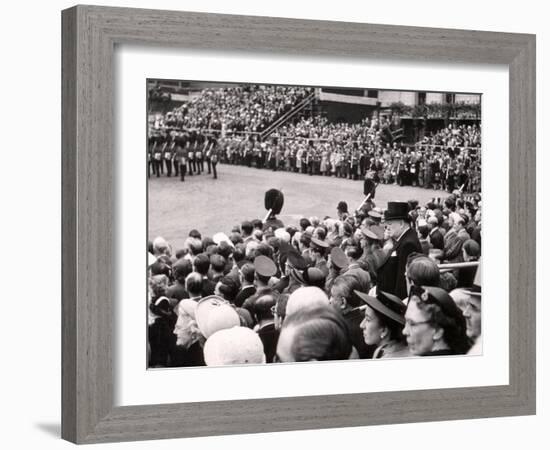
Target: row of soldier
{"x": 425, "y": 165}
{"x": 257, "y": 294}
{"x": 175, "y": 155}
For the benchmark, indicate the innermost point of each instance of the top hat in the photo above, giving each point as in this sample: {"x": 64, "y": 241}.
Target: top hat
{"x": 397, "y": 211}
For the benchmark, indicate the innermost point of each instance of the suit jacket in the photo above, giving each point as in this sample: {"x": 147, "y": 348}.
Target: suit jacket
{"x": 243, "y": 294}
{"x": 391, "y": 275}
{"x": 436, "y": 239}
{"x": 269, "y": 336}
{"x": 208, "y": 287}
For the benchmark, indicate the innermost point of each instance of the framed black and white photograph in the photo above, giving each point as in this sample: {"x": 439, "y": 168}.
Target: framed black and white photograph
{"x": 297, "y": 231}
{"x": 370, "y": 198}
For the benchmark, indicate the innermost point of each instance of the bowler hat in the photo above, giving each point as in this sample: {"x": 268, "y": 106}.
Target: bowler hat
{"x": 397, "y": 211}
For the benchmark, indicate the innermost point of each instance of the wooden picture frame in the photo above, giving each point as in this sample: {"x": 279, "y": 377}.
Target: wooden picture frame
{"x": 90, "y": 34}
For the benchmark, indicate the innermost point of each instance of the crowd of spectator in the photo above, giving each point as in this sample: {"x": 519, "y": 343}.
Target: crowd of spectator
{"x": 366, "y": 284}
{"x": 246, "y": 108}
{"x": 233, "y": 117}
{"x": 448, "y": 159}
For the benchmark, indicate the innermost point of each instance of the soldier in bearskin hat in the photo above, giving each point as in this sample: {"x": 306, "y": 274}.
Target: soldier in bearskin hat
{"x": 273, "y": 202}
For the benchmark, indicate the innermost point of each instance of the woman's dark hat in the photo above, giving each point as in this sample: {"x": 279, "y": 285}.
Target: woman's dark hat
{"x": 386, "y": 304}
{"x": 397, "y": 211}
{"x": 438, "y": 296}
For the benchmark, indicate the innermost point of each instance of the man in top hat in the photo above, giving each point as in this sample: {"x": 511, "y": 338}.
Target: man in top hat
{"x": 404, "y": 240}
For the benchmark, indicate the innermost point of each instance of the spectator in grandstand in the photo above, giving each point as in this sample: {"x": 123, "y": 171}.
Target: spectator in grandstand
{"x": 189, "y": 340}
{"x": 161, "y": 247}
{"x": 217, "y": 267}
{"x": 347, "y": 302}
{"x": 246, "y": 278}
{"x": 158, "y": 286}
{"x": 227, "y": 288}
{"x": 472, "y": 312}
{"x": 201, "y": 265}
{"x": 318, "y": 254}
{"x": 160, "y": 332}
{"x": 471, "y": 252}
{"x": 193, "y": 246}
{"x": 337, "y": 264}
{"x": 404, "y": 241}
{"x": 421, "y": 271}
{"x": 434, "y": 325}
{"x": 235, "y": 345}
{"x": 374, "y": 256}
{"x": 181, "y": 268}
{"x": 264, "y": 269}
{"x": 314, "y": 334}
{"x": 423, "y": 231}
{"x": 266, "y": 329}
{"x": 435, "y": 235}
{"x": 382, "y": 324}
{"x": 194, "y": 286}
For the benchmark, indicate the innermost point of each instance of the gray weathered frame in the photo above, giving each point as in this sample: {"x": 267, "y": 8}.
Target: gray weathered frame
{"x": 89, "y": 36}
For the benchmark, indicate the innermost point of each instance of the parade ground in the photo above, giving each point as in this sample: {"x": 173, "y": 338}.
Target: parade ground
{"x": 212, "y": 205}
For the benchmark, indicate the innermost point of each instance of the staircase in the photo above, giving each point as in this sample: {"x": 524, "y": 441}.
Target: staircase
{"x": 288, "y": 115}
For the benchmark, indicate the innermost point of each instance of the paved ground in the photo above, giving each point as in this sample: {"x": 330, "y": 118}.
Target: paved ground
{"x": 238, "y": 194}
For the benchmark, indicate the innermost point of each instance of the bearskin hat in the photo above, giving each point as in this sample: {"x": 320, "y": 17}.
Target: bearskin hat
{"x": 274, "y": 200}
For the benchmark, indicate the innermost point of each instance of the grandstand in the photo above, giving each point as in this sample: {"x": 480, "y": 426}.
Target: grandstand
{"x": 404, "y": 137}
{"x": 261, "y": 110}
